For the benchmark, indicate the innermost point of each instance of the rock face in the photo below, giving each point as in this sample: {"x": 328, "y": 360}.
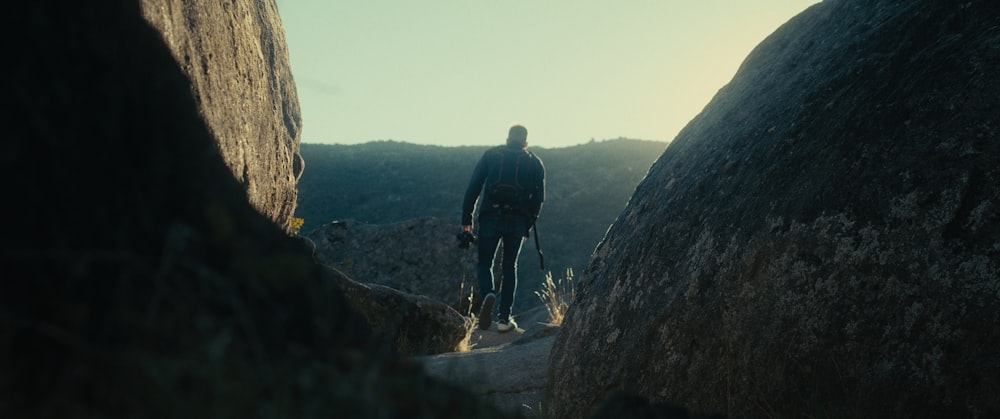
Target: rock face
{"x": 418, "y": 256}
{"x": 512, "y": 376}
{"x": 410, "y": 324}
{"x": 137, "y": 279}
{"x": 235, "y": 55}
{"x": 822, "y": 240}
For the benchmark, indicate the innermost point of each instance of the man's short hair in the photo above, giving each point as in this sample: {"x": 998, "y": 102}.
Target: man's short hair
{"x": 518, "y": 135}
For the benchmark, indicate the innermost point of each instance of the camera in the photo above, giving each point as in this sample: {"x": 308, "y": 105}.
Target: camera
{"x": 465, "y": 239}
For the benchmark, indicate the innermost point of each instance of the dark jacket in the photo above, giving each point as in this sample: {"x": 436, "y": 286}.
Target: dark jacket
{"x": 530, "y": 175}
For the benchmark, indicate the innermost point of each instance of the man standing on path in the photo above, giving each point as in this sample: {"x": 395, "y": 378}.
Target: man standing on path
{"x": 512, "y": 183}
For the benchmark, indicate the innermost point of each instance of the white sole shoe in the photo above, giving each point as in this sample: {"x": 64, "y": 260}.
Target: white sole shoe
{"x": 505, "y": 327}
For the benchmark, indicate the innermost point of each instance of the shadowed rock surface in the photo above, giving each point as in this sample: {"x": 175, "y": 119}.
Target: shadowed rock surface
{"x": 621, "y": 404}
{"x": 505, "y": 368}
{"x": 418, "y": 256}
{"x": 410, "y": 324}
{"x": 138, "y": 279}
{"x": 235, "y": 55}
{"x": 822, "y": 240}
{"x": 510, "y": 376}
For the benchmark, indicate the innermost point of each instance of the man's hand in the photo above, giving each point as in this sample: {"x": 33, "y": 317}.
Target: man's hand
{"x": 467, "y": 228}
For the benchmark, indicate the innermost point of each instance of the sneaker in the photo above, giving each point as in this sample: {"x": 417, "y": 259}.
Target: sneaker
{"x": 486, "y": 312}
{"x": 506, "y": 325}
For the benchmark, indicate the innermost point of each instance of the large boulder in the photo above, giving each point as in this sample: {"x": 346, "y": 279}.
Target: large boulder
{"x": 822, "y": 240}
{"x": 235, "y": 55}
{"x": 138, "y": 280}
{"x": 410, "y": 324}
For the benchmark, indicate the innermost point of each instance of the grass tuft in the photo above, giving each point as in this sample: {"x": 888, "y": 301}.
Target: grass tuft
{"x": 557, "y": 295}
{"x": 471, "y": 321}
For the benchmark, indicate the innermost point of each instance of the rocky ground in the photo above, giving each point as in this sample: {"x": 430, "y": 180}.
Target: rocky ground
{"x": 508, "y": 369}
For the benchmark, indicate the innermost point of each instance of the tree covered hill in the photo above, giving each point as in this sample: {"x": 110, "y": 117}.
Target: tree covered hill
{"x": 387, "y": 181}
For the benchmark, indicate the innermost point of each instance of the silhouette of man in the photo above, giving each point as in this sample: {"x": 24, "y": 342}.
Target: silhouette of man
{"x": 511, "y": 181}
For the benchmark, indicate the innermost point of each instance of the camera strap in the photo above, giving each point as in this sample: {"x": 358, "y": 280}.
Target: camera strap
{"x": 538, "y": 247}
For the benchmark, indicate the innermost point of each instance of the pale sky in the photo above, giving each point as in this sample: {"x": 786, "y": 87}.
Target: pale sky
{"x": 460, "y": 72}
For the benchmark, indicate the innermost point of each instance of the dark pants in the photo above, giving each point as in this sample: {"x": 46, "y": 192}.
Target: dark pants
{"x": 494, "y": 228}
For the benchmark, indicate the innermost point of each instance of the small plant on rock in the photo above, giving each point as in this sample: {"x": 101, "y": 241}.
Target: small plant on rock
{"x": 471, "y": 322}
{"x": 295, "y": 224}
{"x": 557, "y": 296}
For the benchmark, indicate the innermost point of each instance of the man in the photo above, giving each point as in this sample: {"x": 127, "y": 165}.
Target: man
{"x": 512, "y": 183}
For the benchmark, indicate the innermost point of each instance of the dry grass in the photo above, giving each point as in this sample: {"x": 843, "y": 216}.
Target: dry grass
{"x": 465, "y": 345}
{"x": 471, "y": 321}
{"x": 557, "y": 296}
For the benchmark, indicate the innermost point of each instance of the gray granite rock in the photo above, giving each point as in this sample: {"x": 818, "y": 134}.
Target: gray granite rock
{"x": 510, "y": 376}
{"x": 822, "y": 240}
{"x": 419, "y": 256}
{"x": 410, "y": 324}
{"x": 235, "y": 55}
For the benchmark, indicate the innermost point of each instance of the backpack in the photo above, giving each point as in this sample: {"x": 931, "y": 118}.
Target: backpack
{"x": 514, "y": 176}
